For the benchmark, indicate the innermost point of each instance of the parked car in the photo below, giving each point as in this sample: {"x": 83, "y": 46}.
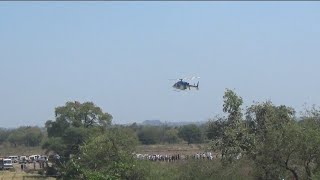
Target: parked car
{"x": 43, "y": 159}
{"x": 33, "y": 158}
{"x": 6, "y": 164}
{"x": 14, "y": 159}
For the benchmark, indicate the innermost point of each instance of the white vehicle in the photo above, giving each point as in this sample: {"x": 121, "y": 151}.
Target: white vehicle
{"x": 23, "y": 159}
{"x": 6, "y": 164}
{"x": 34, "y": 158}
{"x": 43, "y": 158}
{"x": 14, "y": 159}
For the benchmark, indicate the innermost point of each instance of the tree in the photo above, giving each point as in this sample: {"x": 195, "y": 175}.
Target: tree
{"x": 16, "y": 138}
{"x": 74, "y": 123}
{"x": 232, "y": 106}
{"x": 234, "y": 138}
{"x": 171, "y": 136}
{"x": 310, "y": 149}
{"x": 77, "y": 115}
{"x": 108, "y": 156}
{"x": 277, "y": 140}
{"x": 4, "y": 133}
{"x": 190, "y": 133}
{"x": 214, "y": 128}
{"x": 26, "y": 135}
{"x": 149, "y": 135}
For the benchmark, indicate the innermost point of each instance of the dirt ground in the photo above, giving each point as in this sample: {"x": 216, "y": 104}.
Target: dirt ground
{"x": 26, "y": 167}
{"x": 21, "y": 174}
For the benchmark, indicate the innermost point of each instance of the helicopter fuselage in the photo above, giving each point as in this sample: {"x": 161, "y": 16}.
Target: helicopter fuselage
{"x": 182, "y": 85}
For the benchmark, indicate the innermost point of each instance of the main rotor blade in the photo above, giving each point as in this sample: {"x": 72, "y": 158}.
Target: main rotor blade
{"x": 194, "y": 77}
{"x": 185, "y": 78}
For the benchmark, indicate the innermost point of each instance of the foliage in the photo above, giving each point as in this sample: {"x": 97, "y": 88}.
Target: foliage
{"x": 149, "y": 135}
{"x": 200, "y": 169}
{"x": 74, "y": 123}
{"x": 171, "y": 136}
{"x": 309, "y": 144}
{"x": 232, "y": 106}
{"x": 108, "y": 156}
{"x": 233, "y": 139}
{"x": 25, "y": 135}
{"x": 191, "y": 133}
{"x": 276, "y": 137}
{"x": 155, "y": 134}
{"x": 77, "y": 115}
{"x": 279, "y": 146}
{"x": 214, "y": 128}
{"x": 4, "y": 133}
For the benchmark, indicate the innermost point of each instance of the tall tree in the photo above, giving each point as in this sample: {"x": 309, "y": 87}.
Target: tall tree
{"x": 234, "y": 138}
{"x": 74, "y": 123}
{"x": 277, "y": 140}
{"x": 108, "y": 156}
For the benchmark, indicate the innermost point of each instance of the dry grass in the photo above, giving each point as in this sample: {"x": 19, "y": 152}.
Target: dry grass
{"x": 7, "y": 175}
{"x": 172, "y": 148}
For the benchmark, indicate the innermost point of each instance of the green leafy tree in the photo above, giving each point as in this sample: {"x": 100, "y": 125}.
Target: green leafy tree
{"x": 26, "y": 135}
{"x": 232, "y": 106}
{"x": 234, "y": 137}
{"x": 277, "y": 140}
{"x": 150, "y": 135}
{"x": 171, "y": 136}
{"x": 74, "y": 123}
{"x": 4, "y": 133}
{"x": 33, "y": 136}
{"x": 214, "y": 128}
{"x": 190, "y": 133}
{"x": 16, "y": 137}
{"x": 310, "y": 149}
{"x": 108, "y": 156}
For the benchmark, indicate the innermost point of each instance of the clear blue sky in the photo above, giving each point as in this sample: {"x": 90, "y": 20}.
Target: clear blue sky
{"x": 120, "y": 55}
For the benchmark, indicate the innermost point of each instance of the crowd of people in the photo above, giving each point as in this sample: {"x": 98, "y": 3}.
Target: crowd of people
{"x": 174, "y": 157}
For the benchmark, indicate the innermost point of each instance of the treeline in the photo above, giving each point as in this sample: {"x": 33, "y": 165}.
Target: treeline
{"x": 269, "y": 138}
{"x": 165, "y": 134}
{"x": 30, "y": 136}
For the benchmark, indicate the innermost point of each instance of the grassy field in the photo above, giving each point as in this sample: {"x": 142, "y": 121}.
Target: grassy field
{"x": 200, "y": 169}
{"x": 193, "y": 169}
{"x": 172, "y": 148}
{"x": 7, "y": 175}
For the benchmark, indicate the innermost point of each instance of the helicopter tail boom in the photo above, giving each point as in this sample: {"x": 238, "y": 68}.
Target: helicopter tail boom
{"x": 195, "y": 86}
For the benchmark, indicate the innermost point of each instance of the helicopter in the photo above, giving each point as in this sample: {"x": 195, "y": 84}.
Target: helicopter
{"x": 183, "y": 85}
